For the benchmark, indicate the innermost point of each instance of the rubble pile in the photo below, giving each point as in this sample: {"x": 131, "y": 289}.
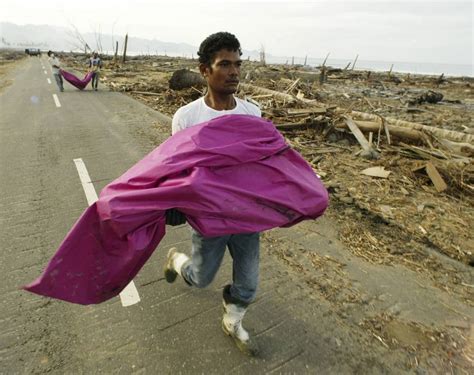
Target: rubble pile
{"x": 396, "y": 148}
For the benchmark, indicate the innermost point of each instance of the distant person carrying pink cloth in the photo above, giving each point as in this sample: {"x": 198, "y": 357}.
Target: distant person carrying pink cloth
{"x": 56, "y": 66}
{"x": 95, "y": 64}
{"x": 71, "y": 78}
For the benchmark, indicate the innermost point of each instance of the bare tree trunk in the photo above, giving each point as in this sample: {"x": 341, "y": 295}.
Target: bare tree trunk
{"x": 125, "y": 49}
{"x": 390, "y": 71}
{"x": 262, "y": 56}
{"x": 326, "y": 59}
{"x": 354, "y": 64}
{"x": 116, "y": 51}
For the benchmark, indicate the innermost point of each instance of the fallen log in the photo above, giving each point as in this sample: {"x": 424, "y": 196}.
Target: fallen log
{"x": 397, "y": 131}
{"x": 458, "y": 147}
{"x": 297, "y": 125}
{"x": 437, "y": 132}
{"x": 184, "y": 78}
{"x": 279, "y": 95}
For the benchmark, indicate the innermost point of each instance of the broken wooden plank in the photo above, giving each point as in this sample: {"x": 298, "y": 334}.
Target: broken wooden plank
{"x": 358, "y": 134}
{"x": 433, "y": 174}
{"x": 376, "y": 172}
{"x": 296, "y": 112}
{"x": 292, "y": 86}
{"x": 369, "y": 151}
{"x": 435, "y": 177}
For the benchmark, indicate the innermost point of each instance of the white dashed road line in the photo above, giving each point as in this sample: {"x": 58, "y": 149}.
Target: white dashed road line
{"x": 45, "y": 72}
{"x": 49, "y": 81}
{"x": 56, "y": 100}
{"x": 129, "y": 296}
{"x": 86, "y": 182}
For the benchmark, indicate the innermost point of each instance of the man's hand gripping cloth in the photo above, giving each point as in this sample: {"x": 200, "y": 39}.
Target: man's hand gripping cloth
{"x": 233, "y": 174}
{"x": 76, "y": 82}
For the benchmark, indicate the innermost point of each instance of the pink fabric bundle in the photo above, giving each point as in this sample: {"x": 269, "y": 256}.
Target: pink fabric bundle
{"x": 234, "y": 174}
{"x": 76, "y": 82}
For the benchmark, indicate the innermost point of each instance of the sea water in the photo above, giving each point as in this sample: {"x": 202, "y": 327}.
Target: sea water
{"x": 464, "y": 70}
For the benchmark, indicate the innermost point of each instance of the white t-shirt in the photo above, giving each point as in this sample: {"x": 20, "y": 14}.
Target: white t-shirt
{"x": 198, "y": 112}
{"x": 54, "y": 61}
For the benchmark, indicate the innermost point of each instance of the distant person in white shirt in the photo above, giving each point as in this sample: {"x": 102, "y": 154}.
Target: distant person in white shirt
{"x": 219, "y": 63}
{"x": 55, "y": 66}
{"x": 95, "y": 65}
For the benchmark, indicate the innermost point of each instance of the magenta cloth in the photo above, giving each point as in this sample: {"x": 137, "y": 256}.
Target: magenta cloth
{"x": 233, "y": 174}
{"x": 76, "y": 82}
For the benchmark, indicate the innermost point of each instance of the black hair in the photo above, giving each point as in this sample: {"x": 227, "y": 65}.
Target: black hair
{"x": 216, "y": 42}
{"x": 50, "y": 52}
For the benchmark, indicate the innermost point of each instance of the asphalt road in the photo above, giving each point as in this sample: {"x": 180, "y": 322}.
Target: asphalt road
{"x": 174, "y": 328}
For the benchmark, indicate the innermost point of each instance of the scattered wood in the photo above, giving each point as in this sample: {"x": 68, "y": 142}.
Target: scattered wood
{"x": 396, "y": 131}
{"x": 442, "y": 133}
{"x": 292, "y": 86}
{"x": 279, "y": 95}
{"x": 310, "y": 113}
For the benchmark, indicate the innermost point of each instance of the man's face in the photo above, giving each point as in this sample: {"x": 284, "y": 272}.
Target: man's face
{"x": 223, "y": 75}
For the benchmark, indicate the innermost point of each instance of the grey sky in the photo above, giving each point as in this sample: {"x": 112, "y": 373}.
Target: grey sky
{"x": 416, "y": 31}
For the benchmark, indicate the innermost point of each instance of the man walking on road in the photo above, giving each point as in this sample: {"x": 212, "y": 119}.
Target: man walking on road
{"x": 219, "y": 63}
{"x": 55, "y": 66}
{"x": 95, "y": 64}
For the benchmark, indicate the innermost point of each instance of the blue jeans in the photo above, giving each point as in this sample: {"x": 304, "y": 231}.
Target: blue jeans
{"x": 95, "y": 80}
{"x": 207, "y": 255}
{"x": 59, "y": 81}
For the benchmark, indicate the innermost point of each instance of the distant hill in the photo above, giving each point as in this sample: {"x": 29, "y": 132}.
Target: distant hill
{"x": 58, "y": 38}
